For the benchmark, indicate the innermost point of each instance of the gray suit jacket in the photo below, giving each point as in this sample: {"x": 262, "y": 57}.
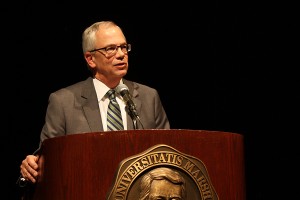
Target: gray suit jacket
{"x": 75, "y": 109}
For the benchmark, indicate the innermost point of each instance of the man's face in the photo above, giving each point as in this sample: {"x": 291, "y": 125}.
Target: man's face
{"x": 164, "y": 190}
{"x": 109, "y": 68}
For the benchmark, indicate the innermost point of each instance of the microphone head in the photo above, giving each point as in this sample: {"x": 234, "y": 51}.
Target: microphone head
{"x": 121, "y": 88}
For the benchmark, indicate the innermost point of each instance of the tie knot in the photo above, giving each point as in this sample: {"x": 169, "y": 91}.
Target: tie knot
{"x": 111, "y": 94}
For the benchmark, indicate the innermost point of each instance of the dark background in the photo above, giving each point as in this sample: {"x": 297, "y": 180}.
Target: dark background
{"x": 235, "y": 62}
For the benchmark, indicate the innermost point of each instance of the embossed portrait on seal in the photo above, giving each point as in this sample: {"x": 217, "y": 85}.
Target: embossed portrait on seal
{"x": 163, "y": 173}
{"x": 162, "y": 183}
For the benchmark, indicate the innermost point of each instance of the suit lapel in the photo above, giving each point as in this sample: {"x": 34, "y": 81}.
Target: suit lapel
{"x": 90, "y": 106}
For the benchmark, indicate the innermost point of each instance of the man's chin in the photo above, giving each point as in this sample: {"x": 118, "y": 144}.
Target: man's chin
{"x": 122, "y": 73}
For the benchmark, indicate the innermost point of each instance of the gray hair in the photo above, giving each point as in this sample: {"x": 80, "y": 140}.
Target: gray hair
{"x": 89, "y": 34}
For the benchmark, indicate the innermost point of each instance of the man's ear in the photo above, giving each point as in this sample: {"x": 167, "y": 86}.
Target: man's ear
{"x": 89, "y": 59}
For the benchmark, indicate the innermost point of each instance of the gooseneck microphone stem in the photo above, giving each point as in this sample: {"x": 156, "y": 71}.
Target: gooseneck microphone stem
{"x": 134, "y": 124}
{"x": 123, "y": 90}
{"x": 135, "y": 120}
{"x": 139, "y": 120}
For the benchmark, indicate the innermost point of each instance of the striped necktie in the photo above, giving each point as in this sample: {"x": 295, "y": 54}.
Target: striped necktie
{"x": 114, "y": 118}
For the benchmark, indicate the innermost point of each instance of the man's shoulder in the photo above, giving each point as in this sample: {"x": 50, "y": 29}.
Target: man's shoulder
{"x": 86, "y": 84}
{"x": 83, "y": 83}
{"x": 140, "y": 89}
{"x": 137, "y": 85}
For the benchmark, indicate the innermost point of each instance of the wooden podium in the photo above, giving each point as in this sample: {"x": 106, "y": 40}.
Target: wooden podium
{"x": 83, "y": 166}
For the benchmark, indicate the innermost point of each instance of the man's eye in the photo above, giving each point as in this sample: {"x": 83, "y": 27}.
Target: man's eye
{"x": 110, "y": 49}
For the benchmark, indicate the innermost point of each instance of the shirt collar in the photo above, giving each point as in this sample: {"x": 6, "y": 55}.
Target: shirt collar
{"x": 101, "y": 89}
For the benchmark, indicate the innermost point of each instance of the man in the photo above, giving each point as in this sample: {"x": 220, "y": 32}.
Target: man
{"x": 82, "y": 107}
{"x": 162, "y": 183}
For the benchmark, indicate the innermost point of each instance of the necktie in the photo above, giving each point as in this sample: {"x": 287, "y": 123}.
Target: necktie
{"x": 114, "y": 118}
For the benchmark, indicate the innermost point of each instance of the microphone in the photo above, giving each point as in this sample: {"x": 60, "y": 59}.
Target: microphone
{"x": 22, "y": 182}
{"x": 123, "y": 90}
